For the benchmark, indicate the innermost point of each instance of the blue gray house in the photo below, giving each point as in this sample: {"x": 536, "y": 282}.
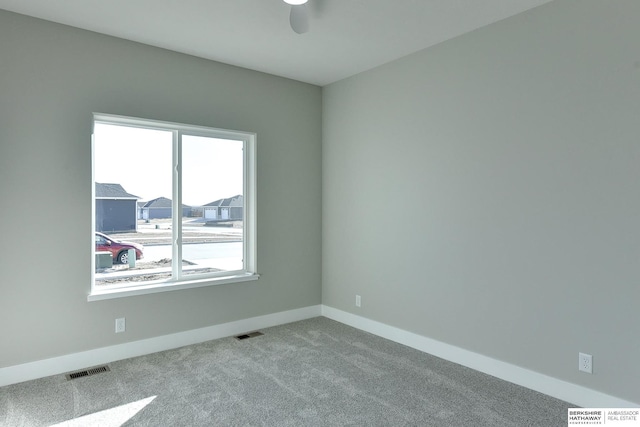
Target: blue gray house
{"x": 115, "y": 209}
{"x": 160, "y": 208}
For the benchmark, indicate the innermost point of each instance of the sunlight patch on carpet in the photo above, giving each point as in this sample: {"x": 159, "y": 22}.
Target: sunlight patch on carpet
{"x": 113, "y": 417}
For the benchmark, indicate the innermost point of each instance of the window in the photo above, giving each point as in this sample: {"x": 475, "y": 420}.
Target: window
{"x": 165, "y": 192}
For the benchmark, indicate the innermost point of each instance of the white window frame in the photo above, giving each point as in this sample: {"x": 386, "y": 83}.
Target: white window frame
{"x": 249, "y": 270}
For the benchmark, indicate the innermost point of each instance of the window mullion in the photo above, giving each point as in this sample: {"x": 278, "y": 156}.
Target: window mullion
{"x": 176, "y": 264}
{"x": 249, "y": 185}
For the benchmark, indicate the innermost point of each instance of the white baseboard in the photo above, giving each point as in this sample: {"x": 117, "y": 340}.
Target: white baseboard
{"x": 575, "y": 394}
{"x": 572, "y": 393}
{"x": 85, "y": 359}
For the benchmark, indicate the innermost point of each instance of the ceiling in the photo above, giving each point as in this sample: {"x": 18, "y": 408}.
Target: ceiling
{"x": 345, "y": 37}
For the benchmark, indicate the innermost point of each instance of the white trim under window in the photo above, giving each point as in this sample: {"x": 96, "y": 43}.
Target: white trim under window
{"x": 175, "y": 277}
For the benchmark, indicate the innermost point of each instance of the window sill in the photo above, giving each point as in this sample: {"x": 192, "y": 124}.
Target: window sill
{"x": 103, "y": 294}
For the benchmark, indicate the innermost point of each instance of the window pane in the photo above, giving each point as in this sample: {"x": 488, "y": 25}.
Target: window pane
{"x": 213, "y": 204}
{"x": 133, "y": 185}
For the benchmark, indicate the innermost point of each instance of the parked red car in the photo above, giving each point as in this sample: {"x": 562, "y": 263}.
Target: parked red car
{"x": 119, "y": 249}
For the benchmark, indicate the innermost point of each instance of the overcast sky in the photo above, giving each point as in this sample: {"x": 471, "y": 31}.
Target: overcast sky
{"x": 140, "y": 161}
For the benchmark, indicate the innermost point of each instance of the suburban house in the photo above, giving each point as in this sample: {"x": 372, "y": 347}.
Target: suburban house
{"x": 160, "y": 208}
{"x": 514, "y": 145}
{"x": 115, "y": 209}
{"x": 224, "y": 209}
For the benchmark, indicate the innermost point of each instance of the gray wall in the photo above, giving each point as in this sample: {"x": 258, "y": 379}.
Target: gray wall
{"x": 52, "y": 78}
{"x": 514, "y": 153}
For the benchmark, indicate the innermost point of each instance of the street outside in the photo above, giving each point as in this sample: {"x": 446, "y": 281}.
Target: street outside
{"x": 205, "y": 248}
{"x": 158, "y": 232}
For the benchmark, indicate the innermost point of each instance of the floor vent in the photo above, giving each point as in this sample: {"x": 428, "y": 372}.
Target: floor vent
{"x": 249, "y": 335}
{"x": 87, "y": 372}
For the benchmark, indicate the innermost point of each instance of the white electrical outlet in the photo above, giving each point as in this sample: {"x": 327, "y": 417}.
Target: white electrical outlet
{"x": 120, "y": 325}
{"x": 585, "y": 363}
{"x": 358, "y": 301}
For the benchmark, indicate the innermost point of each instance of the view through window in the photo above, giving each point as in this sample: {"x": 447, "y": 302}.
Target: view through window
{"x": 167, "y": 192}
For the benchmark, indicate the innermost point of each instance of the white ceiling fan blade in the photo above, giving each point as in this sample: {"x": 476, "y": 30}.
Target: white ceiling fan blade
{"x": 299, "y": 19}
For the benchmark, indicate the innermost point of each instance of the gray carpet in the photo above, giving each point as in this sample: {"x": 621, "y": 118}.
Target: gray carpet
{"x": 315, "y": 372}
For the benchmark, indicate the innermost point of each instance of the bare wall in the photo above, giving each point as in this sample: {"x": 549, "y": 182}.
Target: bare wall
{"x": 486, "y": 192}
{"x": 52, "y": 78}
